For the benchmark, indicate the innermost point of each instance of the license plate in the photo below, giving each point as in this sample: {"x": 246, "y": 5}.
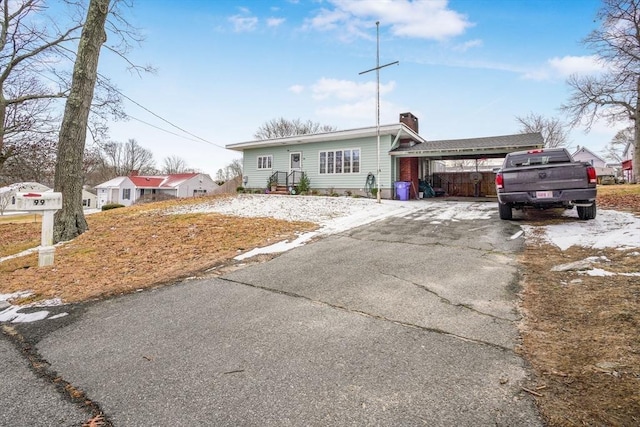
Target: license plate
{"x": 544, "y": 194}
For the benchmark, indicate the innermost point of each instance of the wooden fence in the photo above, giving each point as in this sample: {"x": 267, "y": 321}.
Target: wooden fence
{"x": 462, "y": 183}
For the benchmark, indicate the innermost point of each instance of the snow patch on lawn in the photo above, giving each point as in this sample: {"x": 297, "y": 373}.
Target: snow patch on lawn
{"x": 610, "y": 229}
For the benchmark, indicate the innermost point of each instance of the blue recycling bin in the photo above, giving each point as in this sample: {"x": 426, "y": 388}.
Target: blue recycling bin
{"x": 402, "y": 190}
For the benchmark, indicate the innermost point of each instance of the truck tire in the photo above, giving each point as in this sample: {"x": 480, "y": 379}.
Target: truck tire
{"x": 588, "y": 212}
{"x": 505, "y": 211}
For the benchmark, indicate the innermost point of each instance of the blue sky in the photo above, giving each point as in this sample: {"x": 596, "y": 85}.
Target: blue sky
{"x": 467, "y": 68}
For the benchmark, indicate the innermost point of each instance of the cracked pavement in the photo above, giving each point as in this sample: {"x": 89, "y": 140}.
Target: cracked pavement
{"x": 407, "y": 321}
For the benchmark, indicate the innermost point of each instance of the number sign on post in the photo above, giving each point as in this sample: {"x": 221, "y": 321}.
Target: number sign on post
{"x": 47, "y": 203}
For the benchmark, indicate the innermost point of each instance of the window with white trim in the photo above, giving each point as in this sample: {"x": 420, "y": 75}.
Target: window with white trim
{"x": 339, "y": 161}
{"x": 265, "y": 162}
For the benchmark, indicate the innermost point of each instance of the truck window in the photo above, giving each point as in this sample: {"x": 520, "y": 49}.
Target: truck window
{"x": 544, "y": 158}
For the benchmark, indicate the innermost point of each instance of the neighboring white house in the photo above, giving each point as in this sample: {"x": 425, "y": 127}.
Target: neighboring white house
{"x": 603, "y": 168}
{"x": 355, "y": 160}
{"x": 8, "y": 202}
{"x": 126, "y": 190}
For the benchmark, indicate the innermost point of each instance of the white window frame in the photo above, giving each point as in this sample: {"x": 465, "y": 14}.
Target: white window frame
{"x": 266, "y": 160}
{"x": 325, "y": 167}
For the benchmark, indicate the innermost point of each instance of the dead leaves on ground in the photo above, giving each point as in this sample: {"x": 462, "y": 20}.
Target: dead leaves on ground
{"x": 140, "y": 247}
{"x": 581, "y": 334}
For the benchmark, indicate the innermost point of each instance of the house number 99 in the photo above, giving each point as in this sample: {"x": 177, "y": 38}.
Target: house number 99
{"x": 38, "y": 202}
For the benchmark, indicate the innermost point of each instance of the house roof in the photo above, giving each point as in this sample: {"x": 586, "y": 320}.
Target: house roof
{"x": 24, "y": 186}
{"x": 486, "y": 147}
{"x": 392, "y": 129}
{"x": 161, "y": 181}
{"x": 583, "y": 149}
{"x": 115, "y": 182}
{"x": 151, "y": 181}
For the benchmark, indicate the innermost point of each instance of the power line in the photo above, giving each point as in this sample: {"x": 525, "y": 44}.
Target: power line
{"x": 105, "y": 82}
{"x": 162, "y": 129}
{"x": 158, "y": 116}
{"x": 164, "y": 120}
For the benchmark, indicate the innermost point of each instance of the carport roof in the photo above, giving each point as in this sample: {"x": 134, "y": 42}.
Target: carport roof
{"x": 472, "y": 148}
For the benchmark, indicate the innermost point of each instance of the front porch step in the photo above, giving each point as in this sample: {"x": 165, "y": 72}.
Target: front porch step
{"x": 281, "y": 189}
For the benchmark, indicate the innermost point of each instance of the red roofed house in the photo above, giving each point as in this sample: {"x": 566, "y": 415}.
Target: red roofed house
{"x": 125, "y": 190}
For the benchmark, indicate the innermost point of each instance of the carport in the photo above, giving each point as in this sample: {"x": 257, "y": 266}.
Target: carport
{"x": 417, "y": 161}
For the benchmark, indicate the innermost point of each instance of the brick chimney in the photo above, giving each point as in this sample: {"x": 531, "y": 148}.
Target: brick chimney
{"x": 409, "y": 120}
{"x": 134, "y": 172}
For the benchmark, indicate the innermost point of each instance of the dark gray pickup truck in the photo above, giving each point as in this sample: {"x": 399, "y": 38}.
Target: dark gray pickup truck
{"x": 546, "y": 178}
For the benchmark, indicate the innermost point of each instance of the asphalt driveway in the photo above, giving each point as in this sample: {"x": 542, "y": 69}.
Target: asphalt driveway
{"x": 407, "y": 321}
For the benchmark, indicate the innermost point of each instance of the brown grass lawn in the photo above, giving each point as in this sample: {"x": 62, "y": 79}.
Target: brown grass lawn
{"x": 133, "y": 248}
{"x": 581, "y": 334}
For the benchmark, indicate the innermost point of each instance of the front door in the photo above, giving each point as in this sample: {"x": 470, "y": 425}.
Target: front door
{"x": 295, "y": 167}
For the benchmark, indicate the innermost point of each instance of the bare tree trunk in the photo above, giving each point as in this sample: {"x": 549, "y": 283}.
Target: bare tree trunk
{"x": 70, "y": 221}
{"x": 635, "y": 162}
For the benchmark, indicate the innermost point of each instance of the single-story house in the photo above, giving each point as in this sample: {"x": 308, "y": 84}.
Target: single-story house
{"x": 8, "y": 202}
{"x": 603, "y": 169}
{"x": 354, "y": 161}
{"x": 126, "y": 190}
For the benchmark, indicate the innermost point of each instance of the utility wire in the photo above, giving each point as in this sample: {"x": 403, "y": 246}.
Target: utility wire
{"x": 162, "y": 129}
{"x": 105, "y": 82}
{"x": 158, "y": 116}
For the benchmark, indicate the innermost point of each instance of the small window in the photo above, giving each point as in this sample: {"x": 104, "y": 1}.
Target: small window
{"x": 265, "y": 162}
{"x": 126, "y": 194}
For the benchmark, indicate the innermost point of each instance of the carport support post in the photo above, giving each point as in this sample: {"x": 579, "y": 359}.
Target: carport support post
{"x": 46, "y": 249}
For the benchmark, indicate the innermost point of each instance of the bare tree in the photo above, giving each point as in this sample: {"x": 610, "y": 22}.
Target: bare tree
{"x": 35, "y": 162}
{"x": 232, "y": 170}
{"x": 615, "y": 94}
{"x": 615, "y": 148}
{"x": 174, "y": 164}
{"x": 554, "y": 132}
{"x": 137, "y": 158}
{"x": 70, "y": 220}
{"x": 5, "y": 198}
{"x": 27, "y": 49}
{"x": 279, "y": 128}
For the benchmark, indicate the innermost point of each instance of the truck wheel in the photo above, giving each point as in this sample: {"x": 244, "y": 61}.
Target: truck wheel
{"x": 505, "y": 211}
{"x": 588, "y": 212}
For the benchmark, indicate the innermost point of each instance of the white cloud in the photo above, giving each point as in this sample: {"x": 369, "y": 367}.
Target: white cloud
{"x": 561, "y": 68}
{"x": 406, "y": 18}
{"x": 463, "y": 47}
{"x": 275, "y": 22}
{"x": 297, "y": 89}
{"x": 568, "y": 65}
{"x": 243, "y": 23}
{"x": 347, "y": 89}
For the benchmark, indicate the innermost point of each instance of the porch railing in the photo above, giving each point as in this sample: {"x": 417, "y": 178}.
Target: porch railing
{"x": 281, "y": 178}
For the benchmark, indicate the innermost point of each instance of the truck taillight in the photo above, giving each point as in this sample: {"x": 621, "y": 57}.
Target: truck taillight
{"x": 592, "y": 175}
{"x": 499, "y": 181}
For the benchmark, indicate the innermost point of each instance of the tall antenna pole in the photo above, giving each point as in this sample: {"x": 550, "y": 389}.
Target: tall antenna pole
{"x": 377, "y": 70}
{"x": 378, "y": 104}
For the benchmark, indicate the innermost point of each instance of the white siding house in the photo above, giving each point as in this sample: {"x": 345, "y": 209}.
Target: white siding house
{"x": 583, "y": 154}
{"x": 126, "y": 190}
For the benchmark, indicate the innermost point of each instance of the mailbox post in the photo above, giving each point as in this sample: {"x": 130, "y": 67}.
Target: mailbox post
{"x": 47, "y": 203}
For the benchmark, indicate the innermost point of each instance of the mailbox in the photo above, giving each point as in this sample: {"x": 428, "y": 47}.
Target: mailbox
{"x": 48, "y": 201}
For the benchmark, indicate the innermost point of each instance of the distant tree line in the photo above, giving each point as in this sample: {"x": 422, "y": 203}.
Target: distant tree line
{"x": 102, "y": 162}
